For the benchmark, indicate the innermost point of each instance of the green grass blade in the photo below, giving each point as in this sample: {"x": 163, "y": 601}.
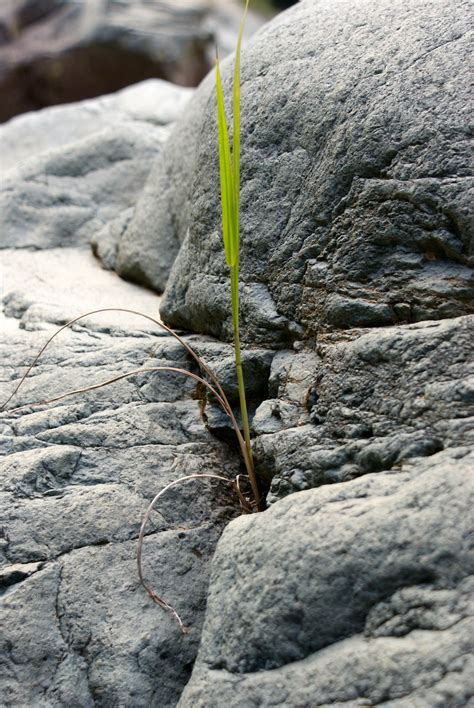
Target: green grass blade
{"x": 226, "y": 177}
{"x": 236, "y": 136}
{"x": 229, "y": 163}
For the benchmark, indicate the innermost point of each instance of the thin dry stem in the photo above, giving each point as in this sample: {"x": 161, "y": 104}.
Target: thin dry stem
{"x": 189, "y": 349}
{"x": 246, "y": 453}
{"x": 135, "y": 372}
{"x": 154, "y": 596}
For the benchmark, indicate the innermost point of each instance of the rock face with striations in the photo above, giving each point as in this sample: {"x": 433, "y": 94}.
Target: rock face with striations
{"x": 355, "y": 178}
{"x": 77, "y": 476}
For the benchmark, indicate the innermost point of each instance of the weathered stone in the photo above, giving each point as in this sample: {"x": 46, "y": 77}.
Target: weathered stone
{"x": 72, "y": 170}
{"x": 105, "y": 243}
{"x": 354, "y": 593}
{"x": 355, "y": 202}
{"x": 366, "y": 404}
{"x": 76, "y": 479}
{"x": 359, "y": 593}
{"x": 80, "y": 49}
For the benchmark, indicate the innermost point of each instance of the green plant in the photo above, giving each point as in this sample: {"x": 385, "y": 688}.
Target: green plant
{"x": 229, "y": 163}
{"x": 229, "y": 168}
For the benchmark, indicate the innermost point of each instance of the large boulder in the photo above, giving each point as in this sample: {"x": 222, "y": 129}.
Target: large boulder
{"x": 353, "y": 591}
{"x": 355, "y": 178}
{"x": 353, "y": 594}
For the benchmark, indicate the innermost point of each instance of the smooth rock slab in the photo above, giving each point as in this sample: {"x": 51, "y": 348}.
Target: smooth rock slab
{"x": 71, "y": 172}
{"x": 357, "y": 592}
{"x": 155, "y": 102}
{"x": 59, "y": 284}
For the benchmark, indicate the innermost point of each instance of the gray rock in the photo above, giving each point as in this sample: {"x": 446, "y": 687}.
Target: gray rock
{"x": 356, "y": 594}
{"x": 59, "y": 284}
{"x": 76, "y": 478}
{"x": 77, "y": 49}
{"x": 152, "y": 102}
{"x": 64, "y": 197}
{"x": 355, "y": 206}
{"x": 71, "y": 172}
{"x": 105, "y": 242}
{"x": 366, "y": 404}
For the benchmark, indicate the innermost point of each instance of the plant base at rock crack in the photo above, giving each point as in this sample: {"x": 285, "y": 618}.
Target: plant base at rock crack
{"x": 156, "y": 598}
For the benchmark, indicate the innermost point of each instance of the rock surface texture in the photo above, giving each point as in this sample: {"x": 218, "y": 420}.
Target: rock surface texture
{"x": 355, "y": 174}
{"x": 356, "y": 243}
{"x": 76, "y": 477}
{"x": 355, "y": 587}
{"x": 70, "y": 171}
{"x": 77, "y": 628}
{"x": 355, "y": 594}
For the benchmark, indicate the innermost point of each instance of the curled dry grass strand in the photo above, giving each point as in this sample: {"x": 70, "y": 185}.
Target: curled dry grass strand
{"x": 215, "y": 388}
{"x": 156, "y": 598}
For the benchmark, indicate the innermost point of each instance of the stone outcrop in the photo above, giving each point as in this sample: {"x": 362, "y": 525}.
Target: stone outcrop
{"x": 76, "y": 479}
{"x": 352, "y": 594}
{"x": 77, "y": 476}
{"x": 355, "y": 178}
{"x": 366, "y": 404}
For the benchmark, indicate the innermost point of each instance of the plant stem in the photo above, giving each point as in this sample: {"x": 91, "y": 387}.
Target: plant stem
{"x": 234, "y": 282}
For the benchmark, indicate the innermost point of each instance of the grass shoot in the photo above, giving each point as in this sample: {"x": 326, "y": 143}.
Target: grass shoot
{"x": 229, "y": 169}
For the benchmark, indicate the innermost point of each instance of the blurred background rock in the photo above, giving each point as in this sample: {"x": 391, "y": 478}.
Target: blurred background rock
{"x": 59, "y": 51}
